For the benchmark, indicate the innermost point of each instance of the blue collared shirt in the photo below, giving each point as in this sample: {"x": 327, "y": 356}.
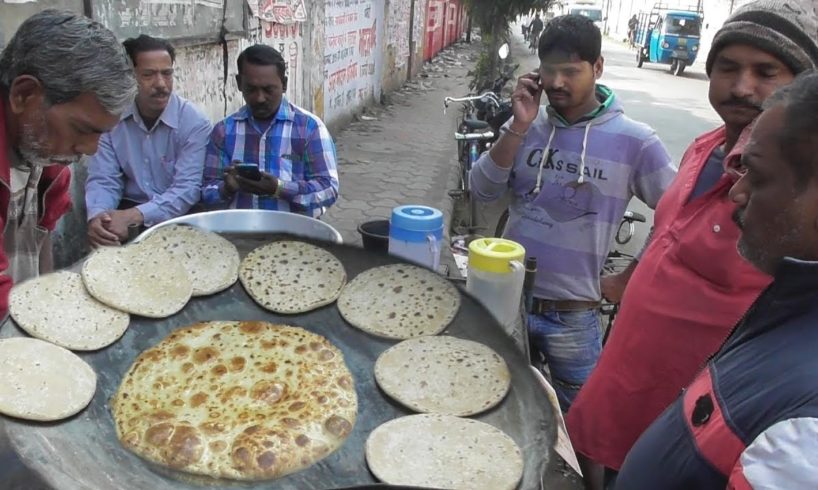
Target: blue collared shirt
{"x": 160, "y": 168}
{"x": 296, "y": 148}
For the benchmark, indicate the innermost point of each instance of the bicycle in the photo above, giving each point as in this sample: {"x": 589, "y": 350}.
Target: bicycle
{"x": 616, "y": 262}
{"x": 473, "y": 137}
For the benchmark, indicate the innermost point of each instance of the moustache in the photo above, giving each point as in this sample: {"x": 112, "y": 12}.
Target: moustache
{"x": 160, "y": 94}
{"x": 557, "y": 92}
{"x": 742, "y": 103}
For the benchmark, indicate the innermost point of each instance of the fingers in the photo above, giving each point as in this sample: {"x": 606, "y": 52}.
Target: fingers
{"x": 100, "y": 237}
{"x": 247, "y": 184}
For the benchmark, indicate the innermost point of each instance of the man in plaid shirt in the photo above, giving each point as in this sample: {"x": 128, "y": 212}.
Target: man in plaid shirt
{"x": 291, "y": 147}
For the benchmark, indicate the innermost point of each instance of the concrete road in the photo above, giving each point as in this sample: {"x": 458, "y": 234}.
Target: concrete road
{"x": 676, "y": 107}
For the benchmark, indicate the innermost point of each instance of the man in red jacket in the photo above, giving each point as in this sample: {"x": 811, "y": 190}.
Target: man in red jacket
{"x": 690, "y": 286}
{"x": 64, "y": 80}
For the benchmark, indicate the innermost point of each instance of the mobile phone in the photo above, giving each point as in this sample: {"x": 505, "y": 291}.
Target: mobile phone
{"x": 538, "y": 80}
{"x": 248, "y": 171}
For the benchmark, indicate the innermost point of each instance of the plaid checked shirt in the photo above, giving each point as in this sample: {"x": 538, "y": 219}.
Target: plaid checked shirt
{"x": 296, "y": 148}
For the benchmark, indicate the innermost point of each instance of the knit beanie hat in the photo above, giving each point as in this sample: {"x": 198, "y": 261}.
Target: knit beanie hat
{"x": 787, "y": 29}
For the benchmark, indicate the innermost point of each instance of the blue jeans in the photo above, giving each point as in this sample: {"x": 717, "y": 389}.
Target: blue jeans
{"x": 571, "y": 342}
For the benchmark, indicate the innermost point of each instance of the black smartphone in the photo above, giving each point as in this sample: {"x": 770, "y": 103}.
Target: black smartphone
{"x": 538, "y": 80}
{"x": 248, "y": 171}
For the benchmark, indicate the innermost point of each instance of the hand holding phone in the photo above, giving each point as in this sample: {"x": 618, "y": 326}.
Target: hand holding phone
{"x": 526, "y": 99}
{"x": 249, "y": 171}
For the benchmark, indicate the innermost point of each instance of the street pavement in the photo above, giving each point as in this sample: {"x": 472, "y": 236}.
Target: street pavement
{"x": 402, "y": 152}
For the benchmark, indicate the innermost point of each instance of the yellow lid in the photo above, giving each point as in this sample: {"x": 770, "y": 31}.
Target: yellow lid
{"x": 494, "y": 254}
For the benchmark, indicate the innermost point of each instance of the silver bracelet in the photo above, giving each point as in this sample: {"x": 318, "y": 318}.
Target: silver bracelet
{"x": 507, "y": 129}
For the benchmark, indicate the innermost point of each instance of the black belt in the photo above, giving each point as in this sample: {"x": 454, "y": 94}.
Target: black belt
{"x": 542, "y": 306}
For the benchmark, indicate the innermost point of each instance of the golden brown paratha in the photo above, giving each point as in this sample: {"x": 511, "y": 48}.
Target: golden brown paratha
{"x": 240, "y": 400}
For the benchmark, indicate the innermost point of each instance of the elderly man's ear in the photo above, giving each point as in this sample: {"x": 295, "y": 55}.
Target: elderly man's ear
{"x": 25, "y": 93}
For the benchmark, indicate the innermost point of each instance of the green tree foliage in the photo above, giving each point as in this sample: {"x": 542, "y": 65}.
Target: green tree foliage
{"x": 494, "y": 18}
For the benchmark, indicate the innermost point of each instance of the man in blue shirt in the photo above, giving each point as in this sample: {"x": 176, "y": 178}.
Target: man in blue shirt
{"x": 292, "y": 148}
{"x": 148, "y": 169}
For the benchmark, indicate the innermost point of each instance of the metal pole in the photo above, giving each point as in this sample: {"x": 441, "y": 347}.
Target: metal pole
{"x": 412, "y": 40}
{"x": 732, "y": 4}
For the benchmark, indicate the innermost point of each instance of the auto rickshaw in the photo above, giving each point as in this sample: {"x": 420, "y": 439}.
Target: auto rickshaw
{"x": 670, "y": 37}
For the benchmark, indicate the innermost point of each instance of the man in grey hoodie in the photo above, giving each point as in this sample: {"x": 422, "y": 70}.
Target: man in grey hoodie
{"x": 572, "y": 167}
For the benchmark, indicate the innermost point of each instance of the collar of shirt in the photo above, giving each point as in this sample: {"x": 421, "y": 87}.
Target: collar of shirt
{"x": 170, "y": 116}
{"x": 285, "y": 112}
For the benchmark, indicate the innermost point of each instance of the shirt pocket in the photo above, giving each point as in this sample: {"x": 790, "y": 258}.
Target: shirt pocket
{"x": 707, "y": 247}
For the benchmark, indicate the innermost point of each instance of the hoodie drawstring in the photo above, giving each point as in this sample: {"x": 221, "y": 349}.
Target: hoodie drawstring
{"x": 581, "y": 178}
{"x": 544, "y": 159}
{"x": 547, "y": 151}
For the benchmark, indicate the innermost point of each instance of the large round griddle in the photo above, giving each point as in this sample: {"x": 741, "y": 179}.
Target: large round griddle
{"x": 83, "y": 452}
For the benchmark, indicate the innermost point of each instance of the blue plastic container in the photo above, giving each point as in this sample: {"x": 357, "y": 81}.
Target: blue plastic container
{"x": 416, "y": 234}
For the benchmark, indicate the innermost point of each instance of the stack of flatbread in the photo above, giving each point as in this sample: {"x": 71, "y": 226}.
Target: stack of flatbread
{"x": 399, "y": 301}
{"x": 241, "y": 400}
{"x": 292, "y": 277}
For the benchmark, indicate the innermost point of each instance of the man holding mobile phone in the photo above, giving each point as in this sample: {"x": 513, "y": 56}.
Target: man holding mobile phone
{"x": 571, "y": 168}
{"x": 270, "y": 154}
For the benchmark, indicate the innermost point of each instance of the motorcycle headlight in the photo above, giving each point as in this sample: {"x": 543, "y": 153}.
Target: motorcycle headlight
{"x": 665, "y": 45}
{"x": 695, "y": 48}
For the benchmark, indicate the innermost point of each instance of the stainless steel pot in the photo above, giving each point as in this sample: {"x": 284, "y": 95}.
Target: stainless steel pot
{"x": 254, "y": 221}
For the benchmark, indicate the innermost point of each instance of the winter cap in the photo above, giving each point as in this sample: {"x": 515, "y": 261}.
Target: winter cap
{"x": 787, "y": 29}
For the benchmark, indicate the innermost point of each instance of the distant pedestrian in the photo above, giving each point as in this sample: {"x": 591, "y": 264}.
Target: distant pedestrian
{"x": 633, "y": 26}
{"x": 535, "y": 28}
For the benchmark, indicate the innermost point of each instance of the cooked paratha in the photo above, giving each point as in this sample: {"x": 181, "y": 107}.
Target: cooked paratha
{"x": 441, "y": 451}
{"x": 399, "y": 301}
{"x": 42, "y": 381}
{"x": 450, "y": 376}
{"x": 292, "y": 277}
{"x": 57, "y": 308}
{"x": 211, "y": 261}
{"x": 240, "y": 400}
{"x": 138, "y": 279}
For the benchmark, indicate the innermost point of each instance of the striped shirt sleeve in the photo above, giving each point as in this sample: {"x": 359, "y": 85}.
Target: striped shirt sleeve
{"x": 216, "y": 160}
{"x": 319, "y": 187}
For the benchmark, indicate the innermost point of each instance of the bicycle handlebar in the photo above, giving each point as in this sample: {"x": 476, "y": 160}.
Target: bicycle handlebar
{"x": 490, "y": 96}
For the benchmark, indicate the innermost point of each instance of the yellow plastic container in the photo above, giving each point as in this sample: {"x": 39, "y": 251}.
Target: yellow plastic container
{"x": 495, "y": 277}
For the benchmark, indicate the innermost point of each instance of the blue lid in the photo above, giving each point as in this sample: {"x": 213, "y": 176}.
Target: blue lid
{"x": 417, "y": 218}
